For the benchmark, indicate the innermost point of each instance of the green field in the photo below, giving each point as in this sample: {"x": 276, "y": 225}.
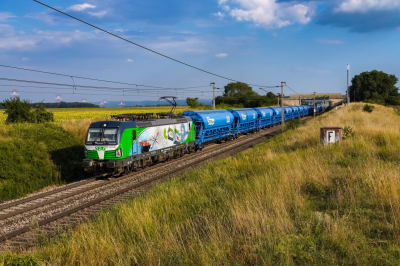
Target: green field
{"x": 287, "y": 201}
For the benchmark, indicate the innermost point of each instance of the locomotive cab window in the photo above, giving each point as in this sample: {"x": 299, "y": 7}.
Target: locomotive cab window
{"x": 133, "y": 135}
{"x": 107, "y": 135}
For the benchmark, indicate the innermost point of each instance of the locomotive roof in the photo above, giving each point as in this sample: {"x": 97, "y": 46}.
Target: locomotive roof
{"x": 141, "y": 123}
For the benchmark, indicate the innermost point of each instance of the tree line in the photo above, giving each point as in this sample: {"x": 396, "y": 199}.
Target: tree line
{"x": 237, "y": 95}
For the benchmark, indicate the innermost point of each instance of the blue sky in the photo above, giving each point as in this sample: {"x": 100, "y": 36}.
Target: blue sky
{"x": 305, "y": 43}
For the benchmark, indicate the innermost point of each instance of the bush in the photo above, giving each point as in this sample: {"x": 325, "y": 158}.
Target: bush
{"x": 17, "y": 111}
{"x": 40, "y": 115}
{"x": 348, "y": 132}
{"x": 368, "y": 108}
{"x": 20, "y": 112}
{"x": 293, "y": 124}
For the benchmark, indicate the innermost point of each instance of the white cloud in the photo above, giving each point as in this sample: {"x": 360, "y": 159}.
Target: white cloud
{"x": 24, "y": 59}
{"x": 44, "y": 16}
{"x": 81, "y": 7}
{"x": 119, "y": 30}
{"x": 221, "y": 55}
{"x": 270, "y": 13}
{"x": 98, "y": 14}
{"x": 12, "y": 40}
{"x": 334, "y": 42}
{"x": 219, "y": 14}
{"x": 187, "y": 45}
{"x": 5, "y": 15}
{"x": 363, "y": 6}
{"x": 129, "y": 60}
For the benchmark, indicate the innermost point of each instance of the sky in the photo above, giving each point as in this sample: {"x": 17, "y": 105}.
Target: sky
{"x": 306, "y": 44}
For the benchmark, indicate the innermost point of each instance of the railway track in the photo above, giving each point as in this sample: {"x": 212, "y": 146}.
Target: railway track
{"x": 47, "y": 213}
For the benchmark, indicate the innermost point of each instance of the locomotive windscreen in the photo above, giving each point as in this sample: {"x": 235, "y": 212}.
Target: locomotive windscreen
{"x": 107, "y": 135}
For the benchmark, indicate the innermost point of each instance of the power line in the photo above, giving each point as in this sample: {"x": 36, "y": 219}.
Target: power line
{"x": 103, "y": 89}
{"x": 84, "y": 86}
{"x": 93, "y": 79}
{"x": 141, "y": 46}
{"x": 291, "y": 89}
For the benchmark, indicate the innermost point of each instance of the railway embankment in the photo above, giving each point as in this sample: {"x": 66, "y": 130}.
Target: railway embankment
{"x": 286, "y": 201}
{"x": 37, "y": 156}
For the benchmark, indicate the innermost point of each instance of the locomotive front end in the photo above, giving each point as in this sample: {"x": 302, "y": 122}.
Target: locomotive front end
{"x": 102, "y": 145}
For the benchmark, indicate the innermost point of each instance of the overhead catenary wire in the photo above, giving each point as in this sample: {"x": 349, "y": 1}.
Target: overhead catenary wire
{"x": 290, "y": 88}
{"x": 85, "y": 86}
{"x": 99, "y": 89}
{"x": 93, "y": 79}
{"x": 141, "y": 46}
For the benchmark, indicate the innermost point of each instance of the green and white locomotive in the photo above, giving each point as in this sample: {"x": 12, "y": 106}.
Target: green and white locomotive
{"x": 135, "y": 141}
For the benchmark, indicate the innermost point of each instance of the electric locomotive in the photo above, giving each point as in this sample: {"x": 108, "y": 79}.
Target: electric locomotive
{"x": 135, "y": 141}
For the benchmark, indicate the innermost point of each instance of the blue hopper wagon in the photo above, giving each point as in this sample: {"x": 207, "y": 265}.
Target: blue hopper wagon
{"x": 267, "y": 116}
{"x": 246, "y": 120}
{"x": 212, "y": 125}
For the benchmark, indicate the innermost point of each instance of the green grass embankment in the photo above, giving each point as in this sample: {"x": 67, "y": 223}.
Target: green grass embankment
{"x": 33, "y": 156}
{"x": 287, "y": 201}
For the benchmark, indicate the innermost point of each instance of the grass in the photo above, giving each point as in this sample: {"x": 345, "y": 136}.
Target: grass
{"x": 287, "y": 201}
{"x": 35, "y": 156}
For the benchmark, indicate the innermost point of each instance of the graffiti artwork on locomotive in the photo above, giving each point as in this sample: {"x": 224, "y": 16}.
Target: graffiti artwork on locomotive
{"x": 136, "y": 141}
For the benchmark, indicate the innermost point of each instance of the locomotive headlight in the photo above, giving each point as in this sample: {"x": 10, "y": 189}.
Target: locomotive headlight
{"x": 86, "y": 154}
{"x": 118, "y": 153}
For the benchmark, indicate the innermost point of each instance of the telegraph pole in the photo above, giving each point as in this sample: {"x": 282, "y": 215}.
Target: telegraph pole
{"x": 348, "y": 90}
{"x": 283, "y": 113}
{"x": 213, "y": 83}
{"x": 314, "y": 104}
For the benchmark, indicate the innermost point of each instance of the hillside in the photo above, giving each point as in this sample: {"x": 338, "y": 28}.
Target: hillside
{"x": 287, "y": 201}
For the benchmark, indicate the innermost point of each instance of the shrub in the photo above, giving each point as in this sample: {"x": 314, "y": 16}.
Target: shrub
{"x": 20, "y": 112}
{"x": 368, "y": 108}
{"x": 348, "y": 132}
{"x": 17, "y": 111}
{"x": 293, "y": 124}
{"x": 40, "y": 115}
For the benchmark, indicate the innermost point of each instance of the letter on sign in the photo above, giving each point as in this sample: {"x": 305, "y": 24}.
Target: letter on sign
{"x": 330, "y": 136}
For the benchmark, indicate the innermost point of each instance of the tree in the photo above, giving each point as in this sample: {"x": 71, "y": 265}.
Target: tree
{"x": 375, "y": 86}
{"x": 20, "y": 111}
{"x": 240, "y": 94}
{"x": 272, "y": 99}
{"x": 192, "y": 102}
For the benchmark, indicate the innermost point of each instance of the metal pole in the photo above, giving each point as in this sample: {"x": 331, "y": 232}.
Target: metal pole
{"x": 348, "y": 91}
{"x": 314, "y": 105}
{"x": 283, "y": 114}
{"x": 213, "y": 95}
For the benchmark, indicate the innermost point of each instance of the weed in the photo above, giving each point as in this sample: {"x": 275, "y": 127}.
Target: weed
{"x": 293, "y": 124}
{"x": 348, "y": 132}
{"x": 368, "y": 108}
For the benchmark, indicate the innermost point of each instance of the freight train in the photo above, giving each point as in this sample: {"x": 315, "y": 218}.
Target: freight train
{"x": 134, "y": 141}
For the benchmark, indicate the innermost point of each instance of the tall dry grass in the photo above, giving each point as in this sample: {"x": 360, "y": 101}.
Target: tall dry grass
{"x": 287, "y": 201}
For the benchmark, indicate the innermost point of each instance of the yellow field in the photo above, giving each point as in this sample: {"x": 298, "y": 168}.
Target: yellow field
{"x": 67, "y": 114}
